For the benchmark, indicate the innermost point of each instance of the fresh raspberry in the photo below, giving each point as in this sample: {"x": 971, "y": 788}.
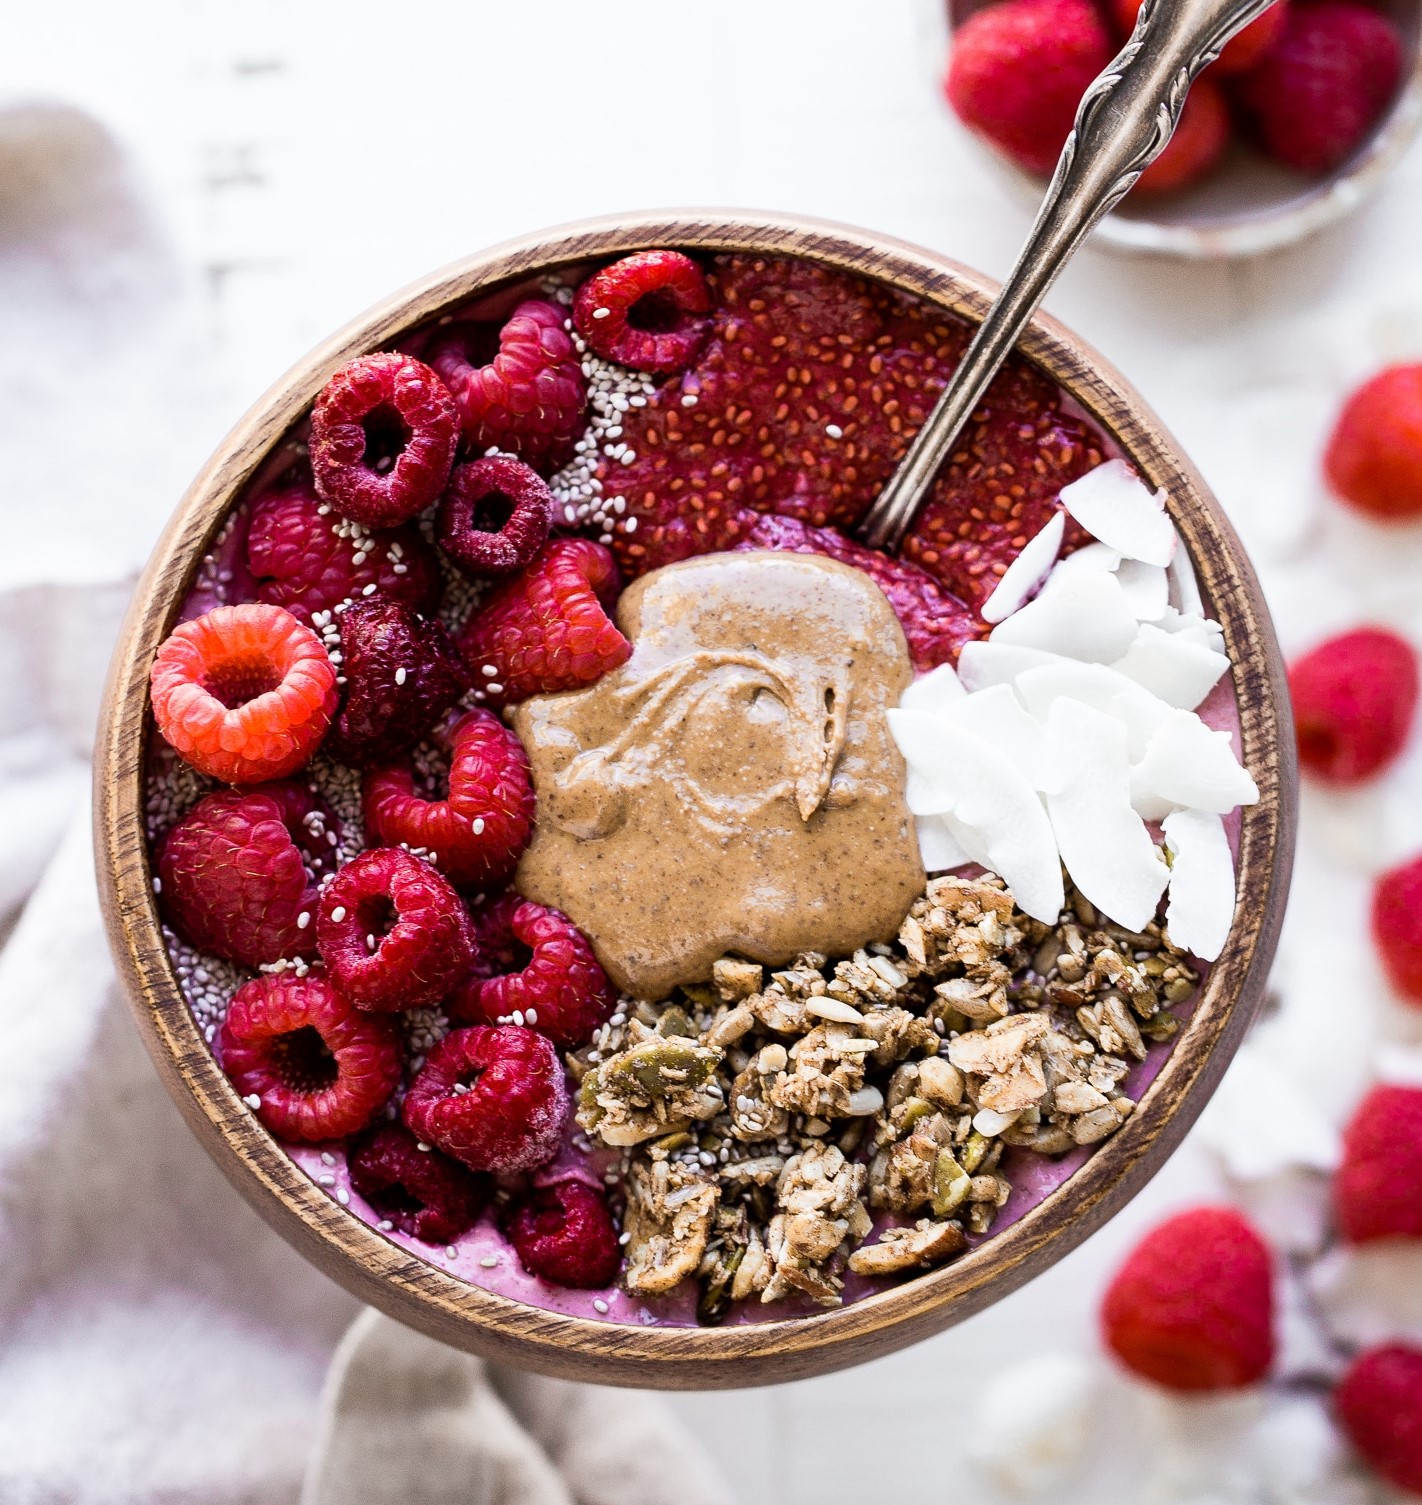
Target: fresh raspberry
{"x": 309, "y": 559}
{"x": 383, "y": 433}
{"x": 495, "y": 1099}
{"x": 402, "y": 674}
{"x": 393, "y": 933}
{"x": 1377, "y": 1193}
{"x": 1397, "y": 927}
{"x": 1018, "y": 70}
{"x": 527, "y": 394}
{"x": 1198, "y": 143}
{"x": 1192, "y": 1307}
{"x": 547, "y": 629}
{"x": 564, "y": 1233}
{"x": 423, "y": 1193}
{"x": 496, "y": 950}
{"x": 240, "y": 870}
{"x": 494, "y": 516}
{"x": 321, "y": 1067}
{"x": 1354, "y": 698}
{"x": 1312, "y": 99}
{"x": 1378, "y": 1404}
{"x": 557, "y": 986}
{"x": 244, "y": 693}
{"x": 935, "y": 623}
{"x": 1239, "y": 54}
{"x": 1374, "y": 458}
{"x": 476, "y": 829}
{"x": 647, "y": 311}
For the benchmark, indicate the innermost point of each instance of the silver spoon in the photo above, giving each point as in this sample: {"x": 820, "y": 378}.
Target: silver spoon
{"x": 1123, "y": 123}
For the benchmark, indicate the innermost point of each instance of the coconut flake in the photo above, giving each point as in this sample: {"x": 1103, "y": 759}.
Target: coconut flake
{"x": 1027, "y": 571}
{"x": 982, "y": 665}
{"x": 996, "y": 715}
{"x": 1113, "y": 504}
{"x": 1194, "y": 629}
{"x": 1184, "y": 583}
{"x": 1201, "y": 907}
{"x": 1086, "y": 617}
{"x": 1189, "y": 765}
{"x": 938, "y": 848}
{"x": 1104, "y": 843}
{"x": 1170, "y": 665}
{"x": 1146, "y": 588}
{"x": 993, "y": 809}
{"x": 1034, "y": 1422}
{"x": 934, "y": 691}
{"x": 1100, "y": 687}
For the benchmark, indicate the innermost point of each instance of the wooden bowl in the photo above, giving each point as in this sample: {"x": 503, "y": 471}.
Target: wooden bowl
{"x": 429, "y": 1298}
{"x": 1248, "y": 205}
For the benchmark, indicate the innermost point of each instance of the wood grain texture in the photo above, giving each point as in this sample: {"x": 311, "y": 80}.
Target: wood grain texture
{"x": 430, "y": 1299}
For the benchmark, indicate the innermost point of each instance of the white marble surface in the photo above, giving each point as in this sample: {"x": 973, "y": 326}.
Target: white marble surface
{"x": 296, "y": 161}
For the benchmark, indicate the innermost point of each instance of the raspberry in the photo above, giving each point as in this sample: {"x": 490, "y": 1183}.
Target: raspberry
{"x": 1017, "y": 73}
{"x": 383, "y": 433}
{"x": 423, "y": 1193}
{"x": 402, "y": 674}
{"x": 564, "y": 1233}
{"x": 547, "y": 629}
{"x": 935, "y": 623}
{"x": 1397, "y": 927}
{"x": 244, "y": 693}
{"x": 393, "y": 933}
{"x": 494, "y": 516}
{"x": 240, "y": 870}
{"x": 555, "y": 984}
{"x": 1192, "y": 1307}
{"x": 477, "y": 830}
{"x": 1312, "y": 99}
{"x": 308, "y": 559}
{"x": 1198, "y": 143}
{"x": 1374, "y": 458}
{"x": 647, "y": 311}
{"x": 495, "y": 1099}
{"x": 1377, "y": 1193}
{"x": 321, "y": 1068}
{"x": 1378, "y": 1404}
{"x": 530, "y": 398}
{"x": 1354, "y": 698}
{"x": 1239, "y": 54}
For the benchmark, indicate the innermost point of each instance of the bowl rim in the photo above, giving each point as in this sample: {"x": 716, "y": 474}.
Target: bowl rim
{"x": 414, "y": 1290}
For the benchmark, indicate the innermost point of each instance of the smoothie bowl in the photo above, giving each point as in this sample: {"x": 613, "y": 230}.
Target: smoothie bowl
{"x": 612, "y": 920}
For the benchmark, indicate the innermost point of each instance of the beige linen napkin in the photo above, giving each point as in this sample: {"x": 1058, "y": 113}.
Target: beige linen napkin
{"x": 407, "y": 1421}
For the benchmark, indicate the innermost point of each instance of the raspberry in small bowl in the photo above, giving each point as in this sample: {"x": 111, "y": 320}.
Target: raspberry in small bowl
{"x": 608, "y": 914}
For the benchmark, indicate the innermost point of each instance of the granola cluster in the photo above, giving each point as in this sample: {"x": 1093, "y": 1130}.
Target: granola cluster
{"x": 767, "y": 1123}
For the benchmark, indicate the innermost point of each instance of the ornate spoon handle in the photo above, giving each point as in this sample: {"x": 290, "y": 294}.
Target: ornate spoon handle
{"x": 1123, "y": 123}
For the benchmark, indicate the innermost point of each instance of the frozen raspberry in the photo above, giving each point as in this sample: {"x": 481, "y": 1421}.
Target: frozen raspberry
{"x": 547, "y": 629}
{"x": 1374, "y": 458}
{"x": 1239, "y": 54}
{"x": 321, "y": 1067}
{"x": 1017, "y": 73}
{"x": 522, "y": 389}
{"x": 383, "y": 433}
{"x": 935, "y": 623}
{"x": 1377, "y": 1193}
{"x": 496, "y": 950}
{"x": 1378, "y": 1404}
{"x": 564, "y": 1233}
{"x": 239, "y": 872}
{"x": 1192, "y": 1308}
{"x": 423, "y": 1193}
{"x": 309, "y": 559}
{"x": 402, "y": 674}
{"x": 1313, "y": 98}
{"x": 477, "y": 828}
{"x": 1198, "y": 143}
{"x": 1354, "y": 698}
{"x": 647, "y": 311}
{"x": 244, "y": 693}
{"x": 393, "y": 933}
{"x": 495, "y": 1099}
{"x": 1397, "y": 927}
{"x": 494, "y": 516}
{"x": 557, "y": 987}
